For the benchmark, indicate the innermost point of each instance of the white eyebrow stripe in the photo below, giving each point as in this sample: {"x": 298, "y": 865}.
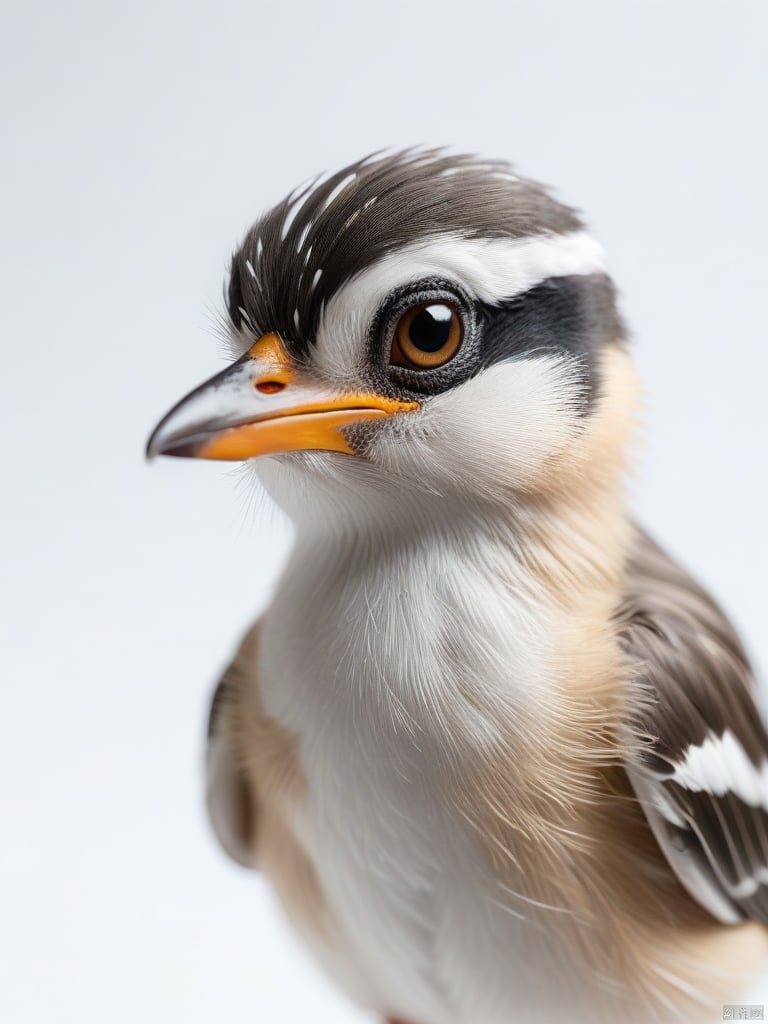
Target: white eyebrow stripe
{"x": 720, "y": 765}
{"x": 491, "y": 270}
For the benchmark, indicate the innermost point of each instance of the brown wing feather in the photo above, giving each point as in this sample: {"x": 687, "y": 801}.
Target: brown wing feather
{"x": 230, "y": 796}
{"x": 697, "y": 688}
{"x": 255, "y": 786}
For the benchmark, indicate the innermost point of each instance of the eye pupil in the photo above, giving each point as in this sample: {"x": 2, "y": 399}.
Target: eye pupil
{"x": 427, "y": 336}
{"x": 430, "y": 329}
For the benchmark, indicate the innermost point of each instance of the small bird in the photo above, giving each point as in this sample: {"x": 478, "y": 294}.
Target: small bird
{"x": 499, "y": 755}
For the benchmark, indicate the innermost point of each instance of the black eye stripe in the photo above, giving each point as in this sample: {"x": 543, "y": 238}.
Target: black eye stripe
{"x": 573, "y": 316}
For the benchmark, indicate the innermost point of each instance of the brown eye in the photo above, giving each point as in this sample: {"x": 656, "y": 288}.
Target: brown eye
{"x": 427, "y": 336}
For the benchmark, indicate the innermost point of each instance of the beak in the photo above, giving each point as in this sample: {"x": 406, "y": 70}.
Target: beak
{"x": 261, "y": 405}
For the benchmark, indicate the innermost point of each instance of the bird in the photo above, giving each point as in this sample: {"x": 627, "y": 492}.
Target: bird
{"x": 499, "y": 754}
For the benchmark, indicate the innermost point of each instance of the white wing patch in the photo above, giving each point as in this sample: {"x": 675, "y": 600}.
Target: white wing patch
{"x": 720, "y": 765}
{"x": 720, "y": 768}
{"x": 700, "y": 881}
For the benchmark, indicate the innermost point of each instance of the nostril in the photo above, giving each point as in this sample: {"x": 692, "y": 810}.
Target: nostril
{"x": 269, "y": 387}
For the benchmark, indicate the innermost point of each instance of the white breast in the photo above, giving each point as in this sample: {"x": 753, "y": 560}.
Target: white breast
{"x": 365, "y": 656}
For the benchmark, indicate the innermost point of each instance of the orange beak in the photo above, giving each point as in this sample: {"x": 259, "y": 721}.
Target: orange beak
{"x": 262, "y": 405}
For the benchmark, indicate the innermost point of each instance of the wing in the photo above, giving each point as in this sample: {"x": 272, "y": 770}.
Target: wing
{"x": 703, "y": 780}
{"x": 230, "y": 798}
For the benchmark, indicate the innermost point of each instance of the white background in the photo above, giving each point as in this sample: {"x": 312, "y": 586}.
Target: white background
{"x": 138, "y": 142}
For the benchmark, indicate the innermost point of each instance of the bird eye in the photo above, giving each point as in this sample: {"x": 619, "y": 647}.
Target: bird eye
{"x": 427, "y": 336}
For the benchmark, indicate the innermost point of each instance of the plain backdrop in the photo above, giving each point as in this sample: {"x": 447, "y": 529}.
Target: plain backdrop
{"x": 139, "y": 140}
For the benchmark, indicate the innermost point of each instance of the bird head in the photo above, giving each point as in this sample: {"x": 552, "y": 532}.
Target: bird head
{"x": 414, "y": 323}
